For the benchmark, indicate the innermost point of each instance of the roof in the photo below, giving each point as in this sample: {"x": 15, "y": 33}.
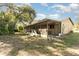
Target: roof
{"x": 51, "y": 20}
{"x": 69, "y": 19}
{"x": 44, "y": 20}
{"x": 35, "y": 21}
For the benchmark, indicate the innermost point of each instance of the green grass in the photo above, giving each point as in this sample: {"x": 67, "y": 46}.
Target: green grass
{"x": 71, "y": 39}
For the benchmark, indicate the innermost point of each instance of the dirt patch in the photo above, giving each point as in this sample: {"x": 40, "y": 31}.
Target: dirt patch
{"x": 23, "y": 45}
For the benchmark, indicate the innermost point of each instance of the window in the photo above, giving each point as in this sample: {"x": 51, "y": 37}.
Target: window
{"x": 51, "y": 26}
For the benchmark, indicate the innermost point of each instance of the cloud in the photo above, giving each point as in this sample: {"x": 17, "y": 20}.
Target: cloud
{"x": 74, "y": 6}
{"x": 68, "y": 8}
{"x": 28, "y": 4}
{"x": 62, "y": 8}
{"x": 76, "y": 12}
{"x": 58, "y": 5}
{"x": 54, "y": 16}
{"x": 44, "y": 4}
{"x": 23, "y": 4}
{"x": 40, "y": 16}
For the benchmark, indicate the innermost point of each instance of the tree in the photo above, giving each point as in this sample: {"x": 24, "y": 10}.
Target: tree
{"x": 9, "y": 17}
{"x": 26, "y": 13}
{"x": 3, "y": 24}
{"x": 15, "y": 14}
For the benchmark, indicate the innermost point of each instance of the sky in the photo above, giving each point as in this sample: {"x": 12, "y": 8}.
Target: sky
{"x": 56, "y": 11}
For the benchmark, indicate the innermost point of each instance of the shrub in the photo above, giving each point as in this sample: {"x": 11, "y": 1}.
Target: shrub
{"x": 20, "y": 28}
{"x": 3, "y": 30}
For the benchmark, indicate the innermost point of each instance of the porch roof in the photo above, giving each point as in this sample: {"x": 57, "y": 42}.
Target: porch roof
{"x": 45, "y": 21}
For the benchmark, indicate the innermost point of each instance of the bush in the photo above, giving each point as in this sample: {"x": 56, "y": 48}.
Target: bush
{"x": 11, "y": 28}
{"x": 3, "y": 30}
{"x": 20, "y": 28}
{"x": 6, "y": 28}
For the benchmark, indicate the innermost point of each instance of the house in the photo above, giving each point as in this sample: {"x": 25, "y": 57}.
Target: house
{"x": 48, "y": 27}
{"x": 66, "y": 25}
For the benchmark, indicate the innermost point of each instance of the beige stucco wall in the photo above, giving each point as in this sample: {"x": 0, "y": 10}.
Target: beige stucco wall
{"x": 66, "y": 26}
{"x": 57, "y": 28}
{"x": 43, "y": 33}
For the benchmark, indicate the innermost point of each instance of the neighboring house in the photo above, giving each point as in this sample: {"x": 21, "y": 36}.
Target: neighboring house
{"x": 48, "y": 27}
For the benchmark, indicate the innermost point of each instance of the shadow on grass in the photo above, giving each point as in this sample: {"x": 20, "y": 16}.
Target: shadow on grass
{"x": 35, "y": 45}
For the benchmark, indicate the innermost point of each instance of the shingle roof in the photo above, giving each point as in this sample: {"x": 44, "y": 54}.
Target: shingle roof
{"x": 39, "y": 21}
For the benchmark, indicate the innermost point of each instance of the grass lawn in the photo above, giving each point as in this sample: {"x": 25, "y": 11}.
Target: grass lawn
{"x": 71, "y": 39}
{"x": 26, "y": 45}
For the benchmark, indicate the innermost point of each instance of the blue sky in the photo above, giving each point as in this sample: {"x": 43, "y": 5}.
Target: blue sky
{"x": 58, "y": 11}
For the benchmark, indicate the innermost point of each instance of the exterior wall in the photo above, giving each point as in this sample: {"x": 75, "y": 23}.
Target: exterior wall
{"x": 43, "y": 32}
{"x": 66, "y": 26}
{"x": 56, "y": 30}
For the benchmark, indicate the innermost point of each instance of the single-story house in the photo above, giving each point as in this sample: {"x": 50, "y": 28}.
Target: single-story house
{"x": 48, "y": 27}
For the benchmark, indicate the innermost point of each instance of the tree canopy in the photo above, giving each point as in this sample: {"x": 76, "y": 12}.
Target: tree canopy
{"x": 16, "y": 14}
